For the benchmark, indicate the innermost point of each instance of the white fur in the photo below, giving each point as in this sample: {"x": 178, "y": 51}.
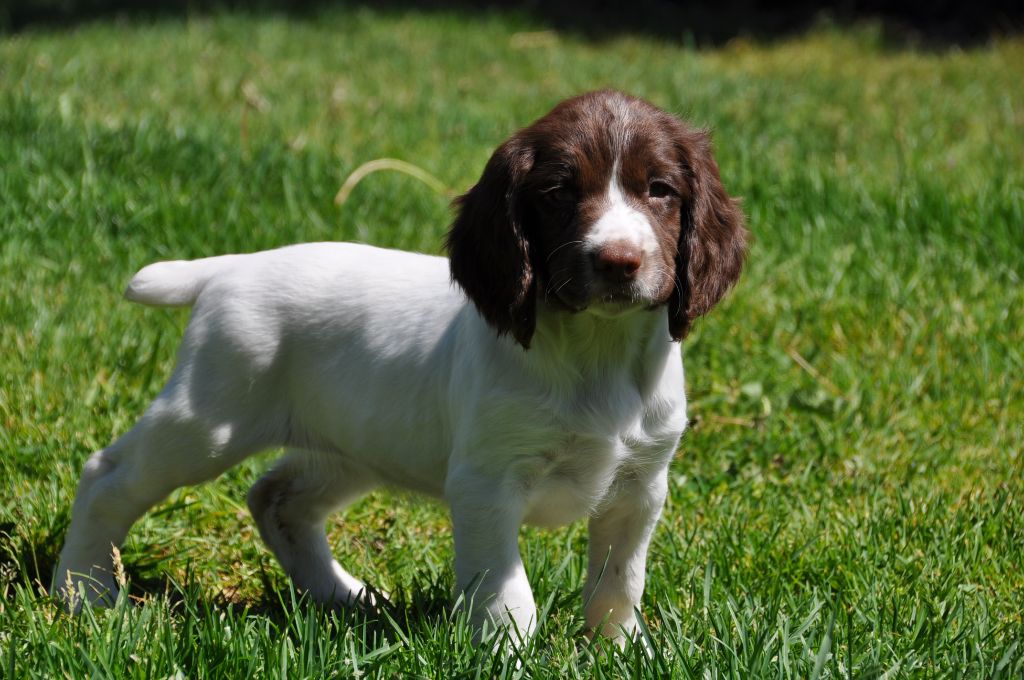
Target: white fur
{"x": 621, "y": 222}
{"x": 373, "y": 369}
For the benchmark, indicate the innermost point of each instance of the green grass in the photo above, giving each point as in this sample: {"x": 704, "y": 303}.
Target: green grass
{"x": 849, "y": 501}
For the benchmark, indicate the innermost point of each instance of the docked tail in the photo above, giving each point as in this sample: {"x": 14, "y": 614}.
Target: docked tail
{"x": 172, "y": 284}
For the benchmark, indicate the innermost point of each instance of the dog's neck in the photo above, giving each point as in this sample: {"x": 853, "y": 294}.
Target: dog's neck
{"x": 571, "y": 348}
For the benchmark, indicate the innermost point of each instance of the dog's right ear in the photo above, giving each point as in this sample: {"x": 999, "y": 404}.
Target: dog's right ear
{"x": 490, "y": 254}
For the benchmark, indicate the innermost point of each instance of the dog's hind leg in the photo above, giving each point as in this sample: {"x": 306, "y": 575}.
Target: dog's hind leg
{"x": 170, "y": 446}
{"x": 291, "y": 504}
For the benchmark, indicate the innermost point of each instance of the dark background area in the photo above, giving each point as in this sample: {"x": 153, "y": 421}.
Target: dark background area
{"x": 940, "y": 23}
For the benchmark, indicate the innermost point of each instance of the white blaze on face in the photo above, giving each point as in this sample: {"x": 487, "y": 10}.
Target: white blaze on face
{"x": 621, "y": 223}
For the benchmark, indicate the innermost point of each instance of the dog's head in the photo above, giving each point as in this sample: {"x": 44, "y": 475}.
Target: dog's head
{"x": 604, "y": 205}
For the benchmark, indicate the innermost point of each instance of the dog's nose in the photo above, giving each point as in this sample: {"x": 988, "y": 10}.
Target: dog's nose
{"x": 618, "y": 261}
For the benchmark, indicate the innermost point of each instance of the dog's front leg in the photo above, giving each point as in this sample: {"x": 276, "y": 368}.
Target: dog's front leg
{"x": 489, "y": 572}
{"x": 619, "y": 536}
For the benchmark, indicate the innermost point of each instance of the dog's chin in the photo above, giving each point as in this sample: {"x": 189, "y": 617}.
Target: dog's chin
{"x": 604, "y": 304}
{"x": 614, "y": 306}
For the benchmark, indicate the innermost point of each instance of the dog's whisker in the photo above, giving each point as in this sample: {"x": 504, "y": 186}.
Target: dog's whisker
{"x": 567, "y": 243}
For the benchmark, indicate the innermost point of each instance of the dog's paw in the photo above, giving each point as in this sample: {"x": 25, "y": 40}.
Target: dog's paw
{"x": 76, "y": 582}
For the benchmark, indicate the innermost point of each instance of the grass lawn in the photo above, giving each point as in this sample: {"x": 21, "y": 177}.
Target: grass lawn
{"x": 849, "y": 500}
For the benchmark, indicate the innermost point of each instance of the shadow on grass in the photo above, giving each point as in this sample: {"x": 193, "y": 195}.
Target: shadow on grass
{"x": 33, "y": 562}
{"x": 936, "y": 24}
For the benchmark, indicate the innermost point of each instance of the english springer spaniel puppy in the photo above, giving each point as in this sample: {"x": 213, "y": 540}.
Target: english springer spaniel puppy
{"x": 534, "y": 377}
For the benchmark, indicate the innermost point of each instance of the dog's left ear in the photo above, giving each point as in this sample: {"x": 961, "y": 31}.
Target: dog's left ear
{"x": 489, "y": 252}
{"x": 712, "y": 240}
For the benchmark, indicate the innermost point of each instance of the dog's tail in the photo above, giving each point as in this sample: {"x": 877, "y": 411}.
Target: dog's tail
{"x": 173, "y": 284}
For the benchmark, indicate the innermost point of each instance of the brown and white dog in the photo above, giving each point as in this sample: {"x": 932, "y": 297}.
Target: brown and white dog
{"x": 532, "y": 378}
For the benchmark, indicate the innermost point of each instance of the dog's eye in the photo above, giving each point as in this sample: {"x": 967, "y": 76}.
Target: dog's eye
{"x": 659, "y": 189}
{"x": 559, "y": 194}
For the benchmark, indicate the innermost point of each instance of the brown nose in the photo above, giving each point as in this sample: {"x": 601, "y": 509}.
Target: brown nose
{"x": 618, "y": 261}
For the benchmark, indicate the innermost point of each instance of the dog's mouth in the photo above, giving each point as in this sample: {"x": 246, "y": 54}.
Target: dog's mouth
{"x": 602, "y": 300}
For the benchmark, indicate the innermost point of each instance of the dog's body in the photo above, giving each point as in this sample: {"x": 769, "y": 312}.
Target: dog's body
{"x": 374, "y": 368}
{"x": 311, "y": 334}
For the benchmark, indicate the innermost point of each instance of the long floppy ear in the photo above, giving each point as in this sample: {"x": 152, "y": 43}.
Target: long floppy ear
{"x": 490, "y": 255}
{"x": 712, "y": 241}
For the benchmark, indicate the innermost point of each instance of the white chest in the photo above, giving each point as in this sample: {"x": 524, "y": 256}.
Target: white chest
{"x": 562, "y": 434}
{"x": 570, "y": 480}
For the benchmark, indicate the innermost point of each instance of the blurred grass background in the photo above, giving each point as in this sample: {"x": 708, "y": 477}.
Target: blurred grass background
{"x": 848, "y": 501}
